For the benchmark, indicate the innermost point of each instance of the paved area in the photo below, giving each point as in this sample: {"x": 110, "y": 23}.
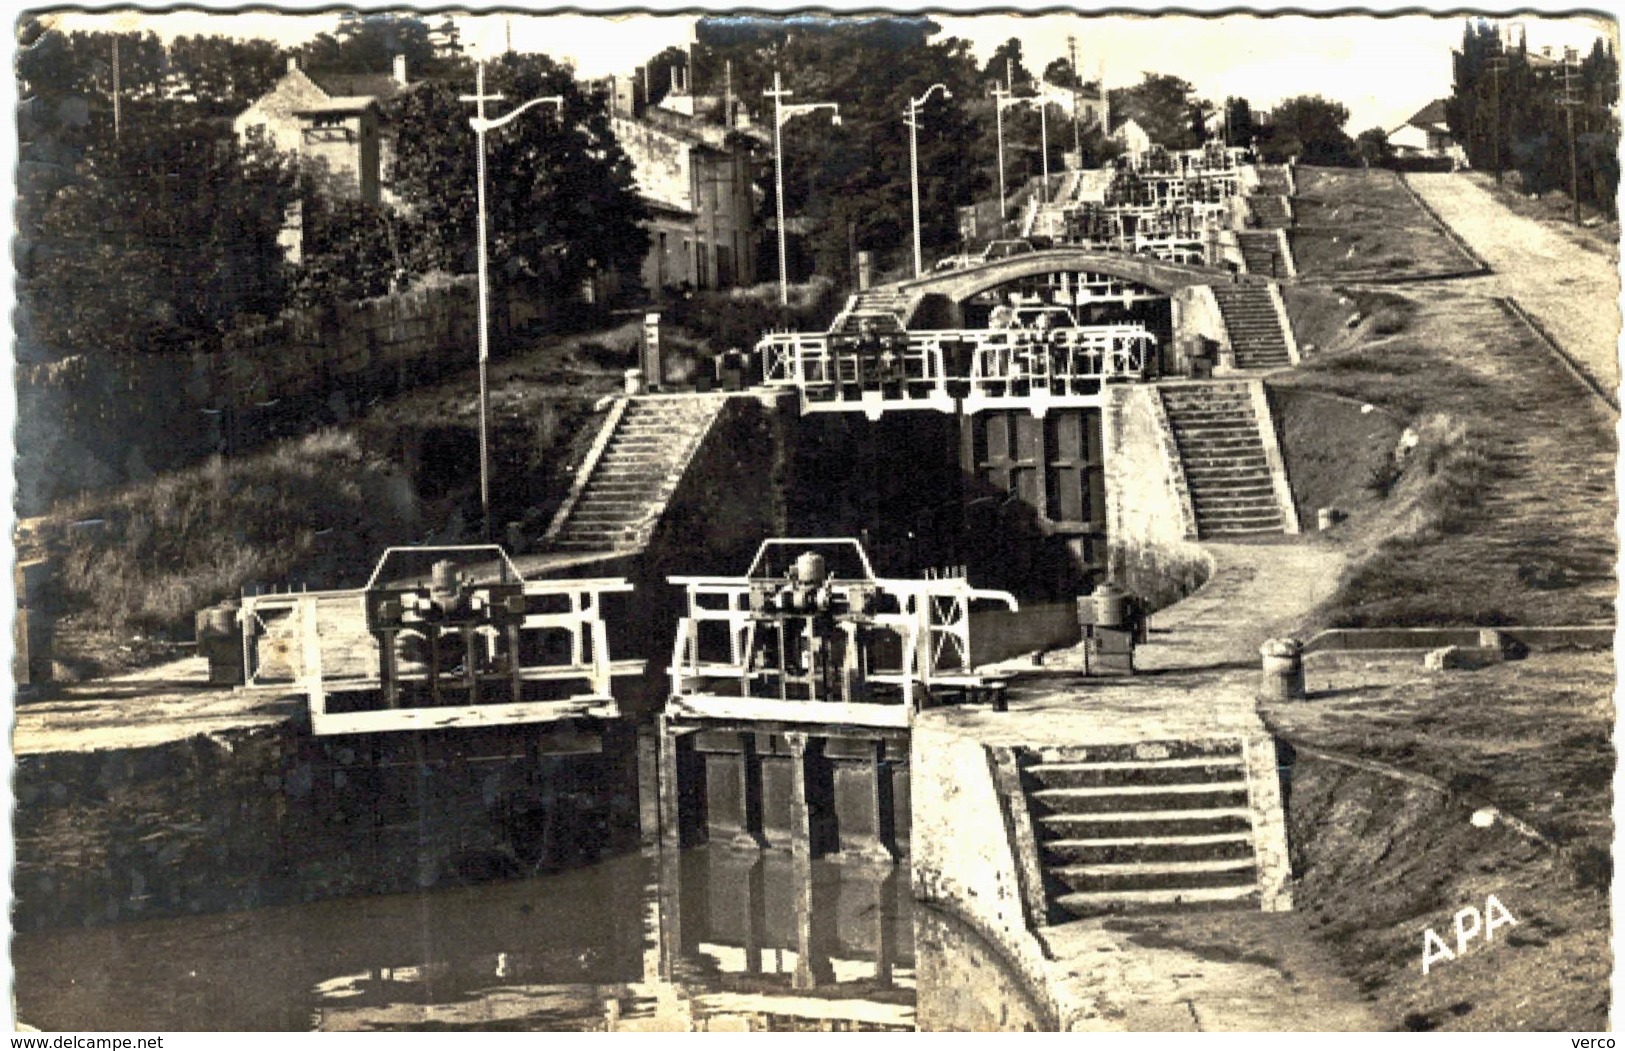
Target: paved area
{"x": 144, "y": 709}
{"x": 1205, "y": 972}
{"x": 1571, "y": 291}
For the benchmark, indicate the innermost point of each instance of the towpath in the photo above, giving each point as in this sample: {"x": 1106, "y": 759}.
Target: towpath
{"x": 1570, "y": 288}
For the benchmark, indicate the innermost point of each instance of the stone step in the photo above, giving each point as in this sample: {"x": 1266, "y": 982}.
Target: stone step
{"x": 1098, "y": 902}
{"x": 1116, "y": 849}
{"x": 1259, "y": 530}
{"x": 1138, "y": 824}
{"x": 1260, "y": 517}
{"x": 1216, "y": 431}
{"x": 1135, "y": 798}
{"x": 1221, "y": 508}
{"x": 1212, "y": 480}
{"x": 1131, "y": 751}
{"x": 1203, "y": 872}
{"x": 1143, "y": 771}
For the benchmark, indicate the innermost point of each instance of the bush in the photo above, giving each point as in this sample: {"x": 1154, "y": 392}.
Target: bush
{"x": 740, "y": 317}
{"x": 318, "y": 506}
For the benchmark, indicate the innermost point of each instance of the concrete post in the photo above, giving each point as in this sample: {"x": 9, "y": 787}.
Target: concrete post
{"x": 670, "y": 817}
{"x": 866, "y": 270}
{"x": 1282, "y": 678}
{"x": 1325, "y": 518}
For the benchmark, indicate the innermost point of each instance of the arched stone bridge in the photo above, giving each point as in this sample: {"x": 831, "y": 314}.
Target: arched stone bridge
{"x": 960, "y": 285}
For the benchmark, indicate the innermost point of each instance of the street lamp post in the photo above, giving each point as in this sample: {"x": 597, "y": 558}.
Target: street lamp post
{"x": 481, "y": 125}
{"x": 912, "y": 118}
{"x": 782, "y": 115}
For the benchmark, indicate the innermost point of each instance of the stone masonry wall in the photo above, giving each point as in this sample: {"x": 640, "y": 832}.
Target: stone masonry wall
{"x": 1149, "y": 525}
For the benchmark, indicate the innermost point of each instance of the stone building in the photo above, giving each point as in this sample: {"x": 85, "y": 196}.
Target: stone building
{"x": 333, "y": 119}
{"x": 693, "y": 157}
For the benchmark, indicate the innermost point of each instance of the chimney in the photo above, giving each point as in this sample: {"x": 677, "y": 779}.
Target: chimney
{"x": 400, "y": 70}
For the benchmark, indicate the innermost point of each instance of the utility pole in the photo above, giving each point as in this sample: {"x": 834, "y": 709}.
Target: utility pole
{"x": 782, "y": 115}
{"x": 1497, "y": 64}
{"x": 1569, "y": 101}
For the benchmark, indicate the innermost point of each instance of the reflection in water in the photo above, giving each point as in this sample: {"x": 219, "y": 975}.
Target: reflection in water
{"x": 701, "y": 940}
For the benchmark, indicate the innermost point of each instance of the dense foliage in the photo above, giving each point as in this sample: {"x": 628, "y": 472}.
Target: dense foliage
{"x": 160, "y": 231}
{"x": 561, "y": 202}
{"x": 1507, "y": 107}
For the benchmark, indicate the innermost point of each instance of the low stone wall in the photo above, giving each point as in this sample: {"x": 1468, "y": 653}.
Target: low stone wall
{"x": 962, "y": 858}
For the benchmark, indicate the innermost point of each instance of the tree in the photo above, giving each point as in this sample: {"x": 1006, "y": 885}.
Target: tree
{"x": 1311, "y": 128}
{"x": 1005, "y": 65}
{"x": 369, "y": 43}
{"x": 158, "y": 245}
{"x": 1161, "y": 105}
{"x": 850, "y": 183}
{"x": 1373, "y": 148}
{"x": 561, "y": 201}
{"x": 1239, "y": 129}
{"x": 1062, "y": 75}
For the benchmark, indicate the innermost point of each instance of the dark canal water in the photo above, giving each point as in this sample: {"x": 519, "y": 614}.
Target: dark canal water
{"x": 704, "y": 940}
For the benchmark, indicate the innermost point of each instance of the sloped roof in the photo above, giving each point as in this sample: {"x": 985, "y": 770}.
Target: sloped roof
{"x": 1432, "y": 113}
{"x": 341, "y": 104}
{"x": 351, "y": 85}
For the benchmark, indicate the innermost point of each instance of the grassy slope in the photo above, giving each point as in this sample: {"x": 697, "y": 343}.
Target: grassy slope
{"x": 1354, "y": 221}
{"x": 1504, "y": 512}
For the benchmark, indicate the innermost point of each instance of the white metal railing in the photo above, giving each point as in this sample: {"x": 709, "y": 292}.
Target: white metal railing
{"x": 1000, "y": 366}
{"x": 928, "y": 622}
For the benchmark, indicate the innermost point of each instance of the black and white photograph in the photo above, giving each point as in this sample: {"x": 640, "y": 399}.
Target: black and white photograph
{"x": 833, "y": 520}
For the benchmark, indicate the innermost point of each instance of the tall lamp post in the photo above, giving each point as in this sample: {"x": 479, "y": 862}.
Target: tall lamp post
{"x": 481, "y": 124}
{"x": 782, "y": 115}
{"x": 912, "y": 118}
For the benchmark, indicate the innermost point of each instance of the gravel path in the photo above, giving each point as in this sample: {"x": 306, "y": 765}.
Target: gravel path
{"x": 1573, "y": 293}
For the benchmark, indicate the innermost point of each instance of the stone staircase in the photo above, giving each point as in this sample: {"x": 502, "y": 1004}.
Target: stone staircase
{"x": 1223, "y": 457}
{"x": 1254, "y": 325}
{"x": 621, "y": 493}
{"x": 1270, "y": 210}
{"x": 888, "y": 298}
{"x": 1273, "y": 178}
{"x": 1263, "y": 252}
{"x": 1155, "y": 825}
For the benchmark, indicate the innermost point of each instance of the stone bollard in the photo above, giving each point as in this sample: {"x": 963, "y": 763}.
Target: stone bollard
{"x": 1282, "y": 679}
{"x": 220, "y": 640}
{"x": 1325, "y": 518}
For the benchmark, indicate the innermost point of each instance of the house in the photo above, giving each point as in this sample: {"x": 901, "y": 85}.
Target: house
{"x": 693, "y": 159}
{"x": 1135, "y": 140}
{"x": 1426, "y": 135}
{"x": 1086, "y": 104}
{"x": 335, "y": 121}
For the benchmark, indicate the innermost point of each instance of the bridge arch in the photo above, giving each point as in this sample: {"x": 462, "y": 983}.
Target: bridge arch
{"x": 959, "y": 285}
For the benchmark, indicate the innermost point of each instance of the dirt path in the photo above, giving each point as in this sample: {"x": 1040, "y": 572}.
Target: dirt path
{"x": 1572, "y": 292}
